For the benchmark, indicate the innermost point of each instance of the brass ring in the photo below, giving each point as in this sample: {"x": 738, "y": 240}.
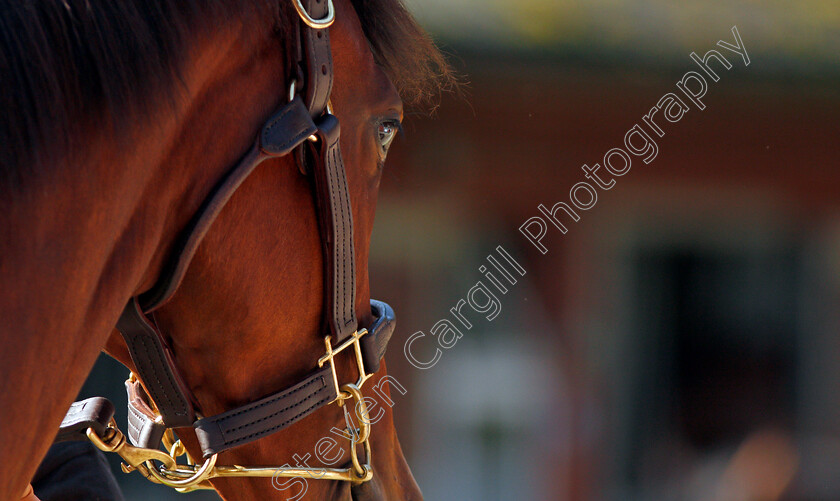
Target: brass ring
{"x": 360, "y": 408}
{"x": 199, "y": 476}
{"x": 317, "y": 24}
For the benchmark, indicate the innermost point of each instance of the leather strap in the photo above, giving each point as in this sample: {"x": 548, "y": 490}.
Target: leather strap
{"x": 94, "y": 412}
{"x": 332, "y": 194}
{"x": 275, "y": 412}
{"x": 316, "y": 60}
{"x": 238, "y": 426}
{"x": 144, "y": 429}
{"x": 154, "y": 364}
{"x": 265, "y": 416}
{"x": 374, "y": 344}
{"x": 268, "y": 415}
{"x": 287, "y": 129}
{"x": 335, "y": 219}
{"x": 284, "y": 131}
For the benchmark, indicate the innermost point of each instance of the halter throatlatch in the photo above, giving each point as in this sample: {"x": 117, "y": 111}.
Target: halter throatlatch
{"x": 306, "y": 127}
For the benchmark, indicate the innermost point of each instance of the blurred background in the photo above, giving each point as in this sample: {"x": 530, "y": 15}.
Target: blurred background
{"x": 682, "y": 340}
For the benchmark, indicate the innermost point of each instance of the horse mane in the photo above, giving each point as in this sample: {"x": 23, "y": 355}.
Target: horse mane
{"x": 69, "y": 62}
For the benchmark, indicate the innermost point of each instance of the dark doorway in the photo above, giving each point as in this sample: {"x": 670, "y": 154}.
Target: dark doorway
{"x": 715, "y": 349}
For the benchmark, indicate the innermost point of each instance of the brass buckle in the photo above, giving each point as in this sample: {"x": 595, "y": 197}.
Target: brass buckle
{"x": 328, "y": 357}
{"x": 317, "y": 24}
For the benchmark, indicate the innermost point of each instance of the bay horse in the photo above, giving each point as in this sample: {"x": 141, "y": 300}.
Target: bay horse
{"x": 119, "y": 120}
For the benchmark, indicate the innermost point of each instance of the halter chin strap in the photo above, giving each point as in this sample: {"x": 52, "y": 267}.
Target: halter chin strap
{"x": 258, "y": 419}
{"x": 307, "y": 127}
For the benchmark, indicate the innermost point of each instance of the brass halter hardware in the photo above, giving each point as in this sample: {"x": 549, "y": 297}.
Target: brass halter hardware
{"x": 328, "y": 357}
{"x": 192, "y": 476}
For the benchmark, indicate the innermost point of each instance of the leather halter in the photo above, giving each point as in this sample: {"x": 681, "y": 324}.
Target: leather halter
{"x": 306, "y": 127}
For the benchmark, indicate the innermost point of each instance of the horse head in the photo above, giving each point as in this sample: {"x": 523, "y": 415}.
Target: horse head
{"x": 246, "y": 315}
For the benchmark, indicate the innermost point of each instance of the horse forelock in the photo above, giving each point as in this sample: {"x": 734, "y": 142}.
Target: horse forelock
{"x": 406, "y": 52}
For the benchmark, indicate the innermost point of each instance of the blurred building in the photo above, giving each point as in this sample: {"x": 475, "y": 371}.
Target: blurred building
{"x": 682, "y": 340}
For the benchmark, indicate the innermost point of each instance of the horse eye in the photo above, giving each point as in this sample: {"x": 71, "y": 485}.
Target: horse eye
{"x": 386, "y": 132}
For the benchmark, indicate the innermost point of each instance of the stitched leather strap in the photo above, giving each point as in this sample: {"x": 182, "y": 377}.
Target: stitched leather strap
{"x": 94, "y": 412}
{"x": 154, "y": 364}
{"x": 265, "y": 416}
{"x": 283, "y": 132}
{"x": 332, "y": 194}
{"x": 286, "y": 129}
{"x": 275, "y": 412}
{"x": 272, "y": 413}
{"x": 238, "y": 426}
{"x": 335, "y": 219}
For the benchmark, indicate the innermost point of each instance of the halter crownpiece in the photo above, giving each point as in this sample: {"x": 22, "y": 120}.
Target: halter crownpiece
{"x": 306, "y": 127}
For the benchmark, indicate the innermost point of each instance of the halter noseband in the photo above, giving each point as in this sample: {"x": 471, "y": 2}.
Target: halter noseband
{"x": 306, "y": 127}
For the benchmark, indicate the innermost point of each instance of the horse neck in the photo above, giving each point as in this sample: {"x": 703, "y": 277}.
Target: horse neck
{"x": 93, "y": 230}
